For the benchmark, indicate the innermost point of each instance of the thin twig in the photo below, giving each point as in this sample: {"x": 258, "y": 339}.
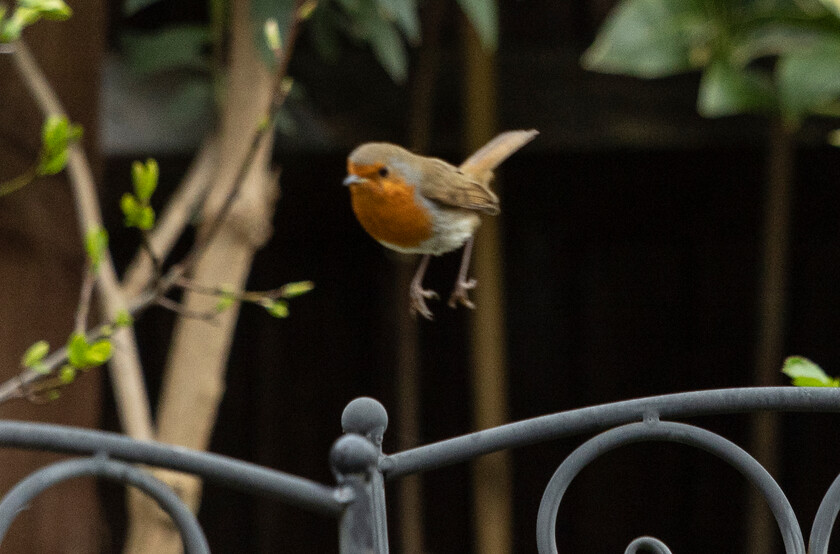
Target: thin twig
{"x": 173, "y": 306}
{"x": 85, "y": 295}
{"x": 126, "y": 371}
{"x": 146, "y": 244}
{"x": 242, "y": 296}
{"x": 17, "y": 183}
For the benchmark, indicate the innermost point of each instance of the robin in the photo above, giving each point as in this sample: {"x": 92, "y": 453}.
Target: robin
{"x": 420, "y": 205}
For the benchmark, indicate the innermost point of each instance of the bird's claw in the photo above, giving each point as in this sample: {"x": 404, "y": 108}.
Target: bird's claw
{"x": 418, "y": 297}
{"x": 459, "y": 294}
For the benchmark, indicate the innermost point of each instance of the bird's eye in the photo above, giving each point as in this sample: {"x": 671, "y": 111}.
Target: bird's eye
{"x": 383, "y": 171}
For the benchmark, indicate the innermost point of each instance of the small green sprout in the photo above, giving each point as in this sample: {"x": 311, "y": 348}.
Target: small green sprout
{"x": 34, "y": 356}
{"x": 83, "y": 354}
{"x": 805, "y": 373}
{"x": 96, "y": 244}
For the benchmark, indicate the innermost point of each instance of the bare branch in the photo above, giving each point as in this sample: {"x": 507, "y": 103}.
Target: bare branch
{"x": 88, "y": 282}
{"x": 173, "y": 306}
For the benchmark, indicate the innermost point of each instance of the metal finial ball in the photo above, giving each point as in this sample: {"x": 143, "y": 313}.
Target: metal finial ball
{"x": 365, "y": 416}
{"x": 352, "y": 454}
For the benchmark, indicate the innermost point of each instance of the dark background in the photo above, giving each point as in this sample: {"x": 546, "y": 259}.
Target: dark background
{"x": 631, "y": 239}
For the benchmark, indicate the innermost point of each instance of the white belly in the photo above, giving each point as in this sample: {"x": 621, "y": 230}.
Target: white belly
{"x": 452, "y": 228}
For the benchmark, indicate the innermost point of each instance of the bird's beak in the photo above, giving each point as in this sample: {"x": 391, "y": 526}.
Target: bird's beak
{"x": 353, "y": 180}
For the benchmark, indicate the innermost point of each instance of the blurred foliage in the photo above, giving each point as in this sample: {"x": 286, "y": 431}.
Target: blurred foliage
{"x": 388, "y": 27}
{"x": 28, "y": 12}
{"x": 774, "y": 57}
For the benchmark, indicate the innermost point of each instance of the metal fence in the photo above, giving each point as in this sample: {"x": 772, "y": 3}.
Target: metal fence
{"x": 357, "y": 500}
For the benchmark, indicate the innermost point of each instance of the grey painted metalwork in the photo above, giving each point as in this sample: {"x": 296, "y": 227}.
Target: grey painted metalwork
{"x": 25, "y": 491}
{"x": 242, "y": 476}
{"x": 654, "y": 430}
{"x": 358, "y": 500}
{"x": 650, "y": 544}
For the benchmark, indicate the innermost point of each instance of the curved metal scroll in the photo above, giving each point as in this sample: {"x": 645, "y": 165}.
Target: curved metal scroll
{"x": 25, "y": 491}
{"x": 824, "y": 520}
{"x": 648, "y": 543}
{"x": 654, "y": 430}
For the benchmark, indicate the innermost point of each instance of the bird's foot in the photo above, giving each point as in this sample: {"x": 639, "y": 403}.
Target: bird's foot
{"x": 418, "y": 296}
{"x": 459, "y": 294}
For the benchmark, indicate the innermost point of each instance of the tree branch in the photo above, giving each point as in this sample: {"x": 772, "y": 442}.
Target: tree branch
{"x": 126, "y": 371}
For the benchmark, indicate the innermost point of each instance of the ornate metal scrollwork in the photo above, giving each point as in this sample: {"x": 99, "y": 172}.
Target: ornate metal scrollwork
{"x": 654, "y": 430}
{"x": 100, "y": 466}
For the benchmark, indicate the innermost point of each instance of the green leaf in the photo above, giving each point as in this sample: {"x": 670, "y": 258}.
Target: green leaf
{"x": 34, "y": 355}
{"x": 57, "y": 133}
{"x": 54, "y": 132}
{"x": 388, "y": 48}
{"x": 324, "y": 27}
{"x": 129, "y": 206}
{"x": 727, "y": 90}
{"x": 177, "y": 47}
{"x": 484, "y": 17}
{"x": 272, "y": 35}
{"x": 76, "y": 350}
{"x": 281, "y": 11}
{"x": 136, "y": 213}
{"x": 55, "y": 10}
{"x": 307, "y": 9}
{"x": 82, "y": 354}
{"x": 131, "y": 7}
{"x": 277, "y": 308}
{"x": 123, "y": 319}
{"x": 98, "y": 353}
{"x": 10, "y": 31}
{"x": 291, "y": 290}
{"x": 54, "y": 163}
{"x": 809, "y": 79}
{"x": 833, "y": 6}
{"x": 67, "y": 374}
{"x": 225, "y": 302}
{"x": 96, "y": 242}
{"x": 404, "y": 14}
{"x": 146, "y": 218}
{"x": 145, "y": 179}
{"x": 651, "y": 38}
{"x": 806, "y": 373}
{"x": 812, "y": 382}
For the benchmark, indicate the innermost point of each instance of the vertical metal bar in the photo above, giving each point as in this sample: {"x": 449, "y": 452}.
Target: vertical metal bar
{"x": 363, "y": 527}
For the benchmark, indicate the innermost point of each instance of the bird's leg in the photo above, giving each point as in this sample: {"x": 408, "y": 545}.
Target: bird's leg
{"x": 417, "y": 293}
{"x": 462, "y": 285}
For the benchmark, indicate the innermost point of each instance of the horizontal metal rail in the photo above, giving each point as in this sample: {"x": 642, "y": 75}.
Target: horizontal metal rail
{"x": 242, "y": 476}
{"x": 604, "y": 416}
{"x": 360, "y": 467}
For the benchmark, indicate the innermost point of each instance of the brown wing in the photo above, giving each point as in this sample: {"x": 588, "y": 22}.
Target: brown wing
{"x": 468, "y": 186}
{"x": 449, "y": 185}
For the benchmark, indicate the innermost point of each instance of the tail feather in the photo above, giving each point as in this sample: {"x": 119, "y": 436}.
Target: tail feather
{"x": 488, "y": 157}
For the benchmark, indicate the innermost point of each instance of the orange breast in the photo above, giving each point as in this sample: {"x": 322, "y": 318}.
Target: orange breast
{"x": 389, "y": 212}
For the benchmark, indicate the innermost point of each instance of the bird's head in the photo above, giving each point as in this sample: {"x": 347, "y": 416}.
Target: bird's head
{"x": 375, "y": 164}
